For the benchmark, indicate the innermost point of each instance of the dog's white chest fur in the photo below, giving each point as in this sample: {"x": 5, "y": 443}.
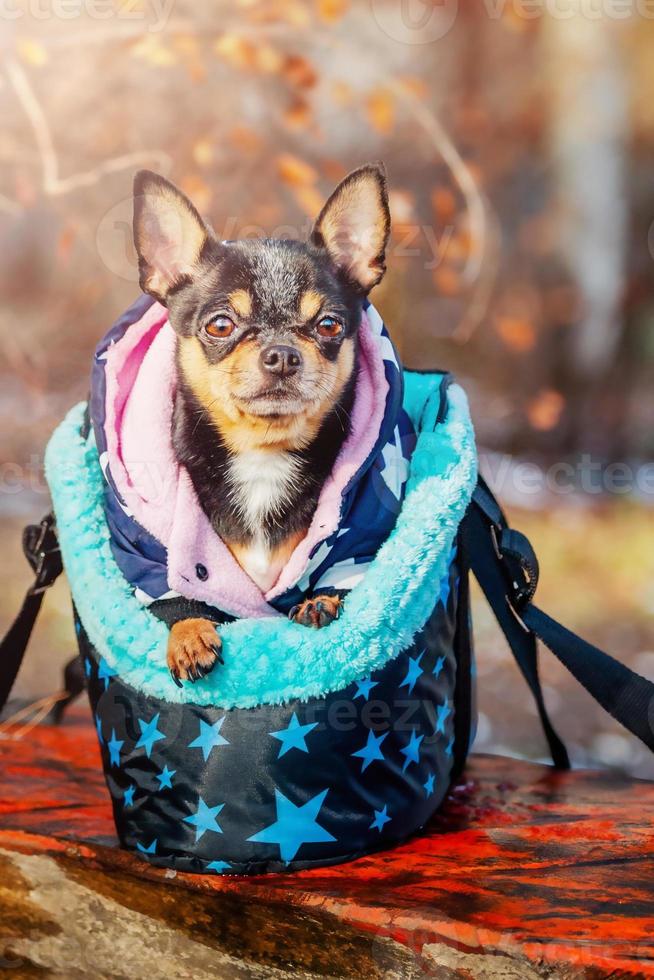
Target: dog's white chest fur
{"x": 261, "y": 482}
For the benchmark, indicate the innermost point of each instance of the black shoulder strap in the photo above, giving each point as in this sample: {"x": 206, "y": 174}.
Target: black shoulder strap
{"x": 505, "y": 566}
{"x": 42, "y": 551}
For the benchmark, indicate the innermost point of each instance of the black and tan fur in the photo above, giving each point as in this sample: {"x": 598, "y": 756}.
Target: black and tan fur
{"x": 267, "y": 349}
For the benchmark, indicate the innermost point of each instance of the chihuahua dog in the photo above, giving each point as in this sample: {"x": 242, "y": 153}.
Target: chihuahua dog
{"x": 266, "y": 334}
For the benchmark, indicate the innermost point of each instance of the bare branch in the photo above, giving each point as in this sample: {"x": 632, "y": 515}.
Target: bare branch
{"x": 52, "y": 184}
{"x": 482, "y": 261}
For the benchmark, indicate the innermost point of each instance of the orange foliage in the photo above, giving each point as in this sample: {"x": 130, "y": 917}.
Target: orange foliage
{"x": 457, "y": 247}
{"x": 268, "y": 58}
{"x": 332, "y": 10}
{"x": 296, "y": 13}
{"x": 443, "y": 203}
{"x": 298, "y": 114}
{"x": 333, "y": 170}
{"x": 294, "y": 171}
{"x": 447, "y": 280}
{"x": 245, "y": 139}
{"x": 544, "y": 411}
{"x": 236, "y": 51}
{"x": 380, "y": 109}
{"x": 298, "y": 71}
{"x": 198, "y": 190}
{"x": 517, "y": 334}
{"x": 414, "y": 86}
{"x": 310, "y": 199}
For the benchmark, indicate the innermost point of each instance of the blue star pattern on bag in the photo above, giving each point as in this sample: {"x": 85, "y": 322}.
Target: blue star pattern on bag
{"x": 371, "y": 751}
{"x": 149, "y": 734}
{"x": 294, "y": 826}
{"x": 280, "y": 786}
{"x": 165, "y": 778}
{"x": 105, "y": 672}
{"x": 381, "y": 819}
{"x": 209, "y": 737}
{"x": 218, "y": 866}
{"x": 411, "y": 751}
{"x": 442, "y": 714}
{"x": 114, "y": 745}
{"x": 364, "y": 688}
{"x": 413, "y": 673}
{"x": 293, "y": 737}
{"x": 204, "y": 819}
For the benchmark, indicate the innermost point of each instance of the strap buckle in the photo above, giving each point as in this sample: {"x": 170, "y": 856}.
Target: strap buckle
{"x": 520, "y": 565}
{"x": 41, "y": 548}
{"x": 514, "y": 553}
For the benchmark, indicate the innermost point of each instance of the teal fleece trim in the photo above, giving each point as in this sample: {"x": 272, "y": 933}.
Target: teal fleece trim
{"x": 272, "y": 661}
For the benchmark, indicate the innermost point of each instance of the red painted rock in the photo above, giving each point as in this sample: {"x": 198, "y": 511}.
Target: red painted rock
{"x": 525, "y": 873}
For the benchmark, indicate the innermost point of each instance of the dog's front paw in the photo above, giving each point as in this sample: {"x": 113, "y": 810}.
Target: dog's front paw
{"x": 193, "y": 649}
{"x": 319, "y": 611}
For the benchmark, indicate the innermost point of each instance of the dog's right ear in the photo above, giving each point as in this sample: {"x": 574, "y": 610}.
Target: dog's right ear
{"x": 169, "y": 234}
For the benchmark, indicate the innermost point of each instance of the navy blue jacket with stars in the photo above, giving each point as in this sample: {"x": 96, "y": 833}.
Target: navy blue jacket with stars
{"x": 369, "y": 506}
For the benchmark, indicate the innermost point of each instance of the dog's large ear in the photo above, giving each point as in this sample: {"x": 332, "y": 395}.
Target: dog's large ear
{"x": 169, "y": 234}
{"x": 354, "y": 225}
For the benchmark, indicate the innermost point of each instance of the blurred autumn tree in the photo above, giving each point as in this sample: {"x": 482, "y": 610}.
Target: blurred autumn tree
{"x": 519, "y": 158}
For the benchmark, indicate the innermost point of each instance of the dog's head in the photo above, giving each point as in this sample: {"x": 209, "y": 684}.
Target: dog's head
{"x": 267, "y": 329}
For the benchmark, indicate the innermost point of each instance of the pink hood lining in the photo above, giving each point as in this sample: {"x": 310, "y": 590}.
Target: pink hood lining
{"x": 157, "y": 490}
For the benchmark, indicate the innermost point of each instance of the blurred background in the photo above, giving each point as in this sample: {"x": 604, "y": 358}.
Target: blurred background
{"x": 519, "y": 141}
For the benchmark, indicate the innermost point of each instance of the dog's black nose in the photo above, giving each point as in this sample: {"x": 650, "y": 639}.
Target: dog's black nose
{"x": 281, "y": 359}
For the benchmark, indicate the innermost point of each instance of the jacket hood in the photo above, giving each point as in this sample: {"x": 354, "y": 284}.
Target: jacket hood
{"x": 161, "y": 538}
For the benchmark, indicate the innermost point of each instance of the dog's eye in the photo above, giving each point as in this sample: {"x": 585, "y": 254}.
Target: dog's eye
{"x": 220, "y": 327}
{"x": 329, "y": 326}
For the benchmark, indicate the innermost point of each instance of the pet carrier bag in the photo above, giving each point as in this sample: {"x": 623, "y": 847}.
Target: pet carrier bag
{"x": 308, "y": 747}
